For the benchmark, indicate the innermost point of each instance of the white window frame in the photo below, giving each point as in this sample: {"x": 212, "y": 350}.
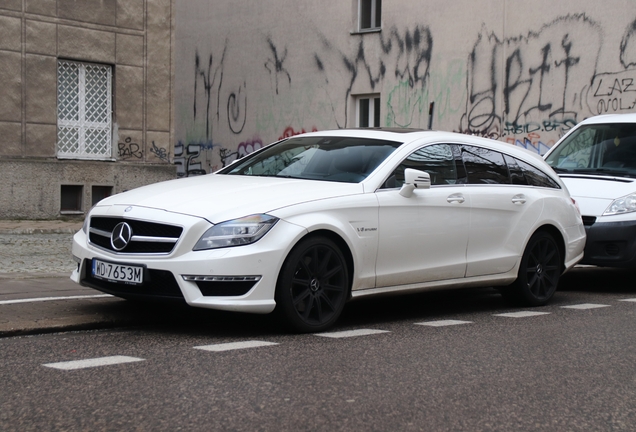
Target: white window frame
{"x": 85, "y": 115}
{"x": 370, "y": 118}
{"x": 373, "y": 20}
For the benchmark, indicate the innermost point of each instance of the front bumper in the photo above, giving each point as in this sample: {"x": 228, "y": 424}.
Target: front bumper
{"x": 239, "y": 278}
{"x": 611, "y": 244}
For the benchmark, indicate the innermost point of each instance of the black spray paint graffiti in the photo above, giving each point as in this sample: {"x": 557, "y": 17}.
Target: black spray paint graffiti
{"x": 129, "y": 150}
{"x": 211, "y": 77}
{"x": 237, "y": 114}
{"x": 406, "y": 55}
{"x": 160, "y": 152}
{"x": 275, "y": 65}
{"x": 204, "y": 73}
{"x": 628, "y": 46}
{"x": 537, "y": 74}
{"x": 186, "y": 163}
{"x": 616, "y": 92}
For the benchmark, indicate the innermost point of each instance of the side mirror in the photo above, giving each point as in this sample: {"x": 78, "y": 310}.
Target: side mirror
{"x": 414, "y": 179}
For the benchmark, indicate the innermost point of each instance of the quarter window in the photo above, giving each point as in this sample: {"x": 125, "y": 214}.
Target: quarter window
{"x": 536, "y": 177}
{"x": 370, "y": 14}
{"x": 84, "y": 113}
{"x": 484, "y": 166}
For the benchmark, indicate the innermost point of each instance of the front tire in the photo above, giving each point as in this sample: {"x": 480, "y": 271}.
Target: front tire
{"x": 539, "y": 272}
{"x": 313, "y": 285}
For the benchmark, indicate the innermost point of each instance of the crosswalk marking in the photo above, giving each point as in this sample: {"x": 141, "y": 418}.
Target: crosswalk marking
{"x": 585, "y": 306}
{"x": 351, "y": 333}
{"x": 523, "y": 314}
{"x": 442, "y": 323}
{"x": 95, "y": 362}
{"x": 629, "y": 300}
{"x": 234, "y": 346}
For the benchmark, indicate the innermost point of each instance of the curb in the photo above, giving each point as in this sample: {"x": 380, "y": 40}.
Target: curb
{"x": 39, "y": 231}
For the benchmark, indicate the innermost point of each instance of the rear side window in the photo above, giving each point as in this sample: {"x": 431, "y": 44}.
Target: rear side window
{"x": 484, "y": 166}
{"x": 522, "y": 173}
{"x": 536, "y": 177}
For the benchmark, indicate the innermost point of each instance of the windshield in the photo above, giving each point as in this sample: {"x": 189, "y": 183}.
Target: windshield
{"x": 605, "y": 149}
{"x": 338, "y": 159}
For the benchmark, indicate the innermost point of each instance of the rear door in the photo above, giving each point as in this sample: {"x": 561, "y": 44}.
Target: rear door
{"x": 504, "y": 207}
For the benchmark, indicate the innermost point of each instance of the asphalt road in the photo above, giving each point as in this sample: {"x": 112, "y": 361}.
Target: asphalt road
{"x": 564, "y": 369}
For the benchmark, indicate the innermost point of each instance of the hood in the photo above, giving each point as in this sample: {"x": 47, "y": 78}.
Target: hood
{"x": 218, "y": 197}
{"x": 595, "y": 193}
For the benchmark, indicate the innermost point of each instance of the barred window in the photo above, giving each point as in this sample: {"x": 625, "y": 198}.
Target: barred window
{"x": 84, "y": 113}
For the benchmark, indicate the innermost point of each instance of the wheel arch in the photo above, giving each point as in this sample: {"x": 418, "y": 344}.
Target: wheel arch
{"x": 342, "y": 245}
{"x": 558, "y": 237}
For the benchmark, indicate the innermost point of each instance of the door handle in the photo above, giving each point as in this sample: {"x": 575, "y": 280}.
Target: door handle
{"x": 456, "y": 198}
{"x": 519, "y": 199}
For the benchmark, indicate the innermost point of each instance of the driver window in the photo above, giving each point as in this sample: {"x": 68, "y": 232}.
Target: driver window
{"x": 437, "y": 160}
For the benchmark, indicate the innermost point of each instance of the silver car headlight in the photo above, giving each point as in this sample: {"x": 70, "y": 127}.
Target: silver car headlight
{"x": 626, "y": 204}
{"x": 236, "y": 232}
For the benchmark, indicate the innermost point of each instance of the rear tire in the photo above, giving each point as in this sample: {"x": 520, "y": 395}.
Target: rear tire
{"x": 539, "y": 272}
{"x": 313, "y": 286}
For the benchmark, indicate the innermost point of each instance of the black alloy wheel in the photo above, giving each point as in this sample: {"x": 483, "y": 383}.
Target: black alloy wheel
{"x": 539, "y": 272}
{"x": 313, "y": 285}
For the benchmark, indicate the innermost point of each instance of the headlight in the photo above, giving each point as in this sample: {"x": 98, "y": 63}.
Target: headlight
{"x": 236, "y": 232}
{"x": 624, "y": 204}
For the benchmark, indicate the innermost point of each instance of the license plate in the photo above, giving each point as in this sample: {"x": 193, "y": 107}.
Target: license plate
{"x": 121, "y": 273}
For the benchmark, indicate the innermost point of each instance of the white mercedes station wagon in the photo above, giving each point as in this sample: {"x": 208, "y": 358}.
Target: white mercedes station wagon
{"x": 303, "y": 225}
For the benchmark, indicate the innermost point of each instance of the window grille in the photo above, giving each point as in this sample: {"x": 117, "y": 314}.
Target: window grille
{"x": 84, "y": 113}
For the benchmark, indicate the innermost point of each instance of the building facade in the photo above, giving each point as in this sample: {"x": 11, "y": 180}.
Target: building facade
{"x": 85, "y": 102}
{"x": 249, "y": 73}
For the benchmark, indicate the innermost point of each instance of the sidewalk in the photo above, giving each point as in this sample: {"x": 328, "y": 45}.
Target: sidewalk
{"x": 35, "y": 265}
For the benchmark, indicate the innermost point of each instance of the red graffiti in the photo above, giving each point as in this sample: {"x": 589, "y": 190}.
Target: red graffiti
{"x": 290, "y": 132}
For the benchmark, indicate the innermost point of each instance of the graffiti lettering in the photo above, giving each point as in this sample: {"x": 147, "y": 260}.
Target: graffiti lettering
{"x": 160, "y": 152}
{"x": 290, "y": 132}
{"x": 129, "y": 149}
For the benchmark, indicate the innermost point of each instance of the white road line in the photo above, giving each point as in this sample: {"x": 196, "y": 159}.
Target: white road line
{"x": 41, "y": 299}
{"x": 234, "y": 346}
{"x": 629, "y": 300}
{"x": 442, "y": 323}
{"x": 523, "y": 314}
{"x": 585, "y": 306}
{"x": 351, "y": 333}
{"x": 88, "y": 363}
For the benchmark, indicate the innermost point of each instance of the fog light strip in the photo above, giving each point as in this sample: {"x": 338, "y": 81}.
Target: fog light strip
{"x": 193, "y": 278}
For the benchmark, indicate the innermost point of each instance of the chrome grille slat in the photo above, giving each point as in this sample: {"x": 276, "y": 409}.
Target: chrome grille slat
{"x": 152, "y": 238}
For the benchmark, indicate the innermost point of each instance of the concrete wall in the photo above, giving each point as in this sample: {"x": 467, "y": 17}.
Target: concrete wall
{"x": 248, "y": 73}
{"x": 136, "y": 38}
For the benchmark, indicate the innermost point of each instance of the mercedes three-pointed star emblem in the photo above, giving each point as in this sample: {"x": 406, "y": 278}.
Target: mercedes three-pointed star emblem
{"x": 121, "y": 236}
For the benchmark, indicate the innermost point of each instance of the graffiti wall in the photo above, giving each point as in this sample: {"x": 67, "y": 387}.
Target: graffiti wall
{"x": 248, "y": 75}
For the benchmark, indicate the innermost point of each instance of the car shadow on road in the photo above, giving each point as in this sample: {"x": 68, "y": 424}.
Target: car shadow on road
{"x": 367, "y": 312}
{"x": 599, "y": 280}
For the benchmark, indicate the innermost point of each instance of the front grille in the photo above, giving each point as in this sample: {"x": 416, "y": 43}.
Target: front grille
{"x": 158, "y": 284}
{"x": 588, "y": 220}
{"x": 147, "y": 237}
